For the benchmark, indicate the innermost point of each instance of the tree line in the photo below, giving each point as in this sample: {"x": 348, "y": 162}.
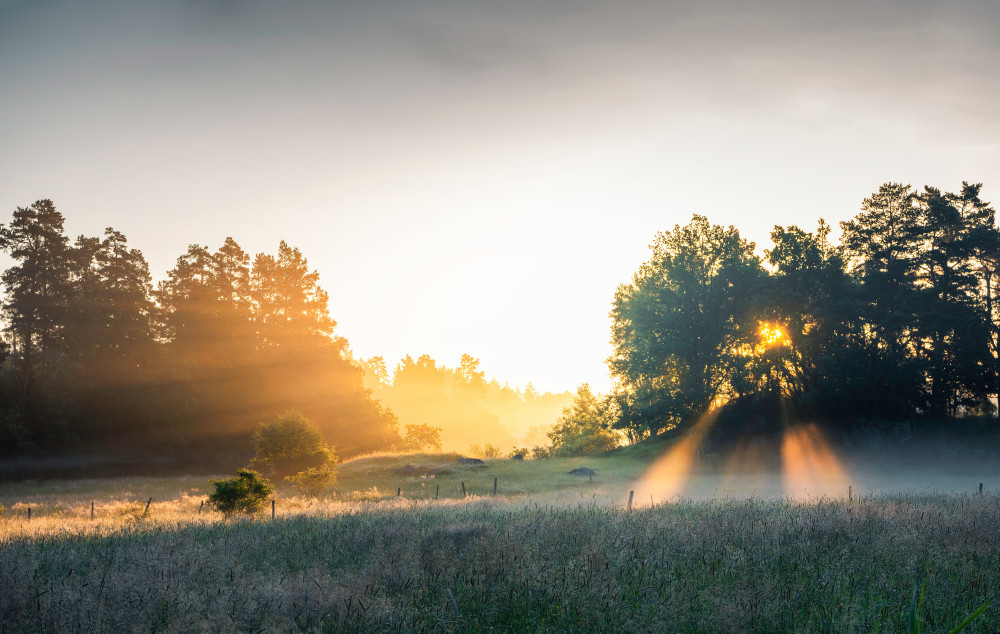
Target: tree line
{"x": 898, "y": 321}
{"x": 95, "y": 357}
{"x": 468, "y": 409}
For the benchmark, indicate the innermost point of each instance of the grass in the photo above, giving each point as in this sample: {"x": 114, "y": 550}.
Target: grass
{"x": 551, "y": 552}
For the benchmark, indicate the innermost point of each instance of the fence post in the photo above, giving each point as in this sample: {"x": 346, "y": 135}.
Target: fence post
{"x": 980, "y": 488}
{"x": 201, "y": 506}
{"x": 494, "y": 487}
{"x": 91, "y": 510}
{"x": 850, "y": 492}
{"x": 272, "y": 508}
{"x": 463, "y": 490}
{"x": 436, "y": 491}
{"x": 146, "y": 510}
{"x": 399, "y": 491}
{"x": 29, "y": 513}
{"x": 630, "y": 494}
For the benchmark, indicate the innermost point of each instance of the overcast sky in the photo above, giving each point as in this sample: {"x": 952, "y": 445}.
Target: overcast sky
{"x": 480, "y": 176}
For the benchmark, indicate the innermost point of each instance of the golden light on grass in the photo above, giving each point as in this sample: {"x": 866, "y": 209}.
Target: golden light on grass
{"x": 669, "y": 474}
{"x": 808, "y": 465}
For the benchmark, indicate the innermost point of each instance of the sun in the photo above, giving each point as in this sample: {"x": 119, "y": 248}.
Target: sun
{"x": 771, "y": 334}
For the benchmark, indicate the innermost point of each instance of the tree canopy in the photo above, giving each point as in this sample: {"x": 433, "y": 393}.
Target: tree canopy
{"x": 897, "y": 322}
{"x": 95, "y": 357}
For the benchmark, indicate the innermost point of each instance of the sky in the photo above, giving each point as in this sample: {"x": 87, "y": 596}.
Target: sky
{"x": 479, "y": 177}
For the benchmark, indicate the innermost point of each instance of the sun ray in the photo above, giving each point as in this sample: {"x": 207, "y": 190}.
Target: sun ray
{"x": 668, "y": 476}
{"x": 809, "y": 466}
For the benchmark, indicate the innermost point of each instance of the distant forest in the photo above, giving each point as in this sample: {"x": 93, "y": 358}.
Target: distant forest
{"x": 897, "y": 322}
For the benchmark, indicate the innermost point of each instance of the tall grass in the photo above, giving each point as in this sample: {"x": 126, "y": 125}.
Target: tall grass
{"x": 511, "y": 564}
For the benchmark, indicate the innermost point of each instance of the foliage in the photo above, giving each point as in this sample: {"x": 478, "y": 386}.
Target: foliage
{"x": 314, "y": 481}
{"x": 540, "y": 452}
{"x": 244, "y": 493}
{"x": 677, "y": 326}
{"x": 289, "y": 444}
{"x": 460, "y": 401}
{"x": 898, "y": 322}
{"x": 96, "y": 354}
{"x": 420, "y": 438}
{"x": 15, "y": 438}
{"x": 519, "y": 453}
{"x": 583, "y": 429}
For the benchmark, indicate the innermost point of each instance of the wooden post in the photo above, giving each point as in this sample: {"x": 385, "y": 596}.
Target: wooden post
{"x": 201, "y": 506}
{"x": 146, "y": 511}
{"x": 463, "y": 490}
{"x": 436, "y": 491}
{"x": 91, "y": 510}
{"x": 272, "y": 508}
{"x": 630, "y": 494}
{"x": 29, "y": 513}
{"x": 980, "y": 488}
{"x": 494, "y": 487}
{"x": 399, "y": 491}
{"x": 850, "y": 492}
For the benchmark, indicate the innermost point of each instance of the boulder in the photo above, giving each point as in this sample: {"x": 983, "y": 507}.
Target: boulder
{"x": 470, "y": 461}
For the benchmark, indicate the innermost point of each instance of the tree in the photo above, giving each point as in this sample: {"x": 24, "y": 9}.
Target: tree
{"x": 37, "y": 291}
{"x": 677, "y": 325}
{"x": 881, "y": 247}
{"x": 583, "y": 429}
{"x": 290, "y": 444}
{"x": 244, "y": 494}
{"x": 952, "y": 323}
{"x": 290, "y": 307}
{"x": 421, "y": 437}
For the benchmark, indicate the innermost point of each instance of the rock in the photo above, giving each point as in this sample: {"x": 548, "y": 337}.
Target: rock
{"x": 583, "y": 472}
{"x": 470, "y": 461}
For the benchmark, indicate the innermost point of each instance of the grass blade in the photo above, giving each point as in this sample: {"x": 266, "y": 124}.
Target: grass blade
{"x": 969, "y": 619}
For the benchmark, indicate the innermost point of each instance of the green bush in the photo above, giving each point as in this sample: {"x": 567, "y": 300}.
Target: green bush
{"x": 244, "y": 493}
{"x": 289, "y": 444}
{"x": 538, "y": 452}
{"x": 519, "y": 453}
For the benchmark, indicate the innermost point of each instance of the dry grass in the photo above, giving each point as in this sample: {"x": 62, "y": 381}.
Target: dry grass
{"x": 567, "y": 558}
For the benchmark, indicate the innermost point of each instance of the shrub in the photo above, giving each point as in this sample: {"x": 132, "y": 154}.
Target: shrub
{"x": 519, "y": 453}
{"x": 244, "y": 493}
{"x": 314, "y": 482}
{"x": 289, "y": 444}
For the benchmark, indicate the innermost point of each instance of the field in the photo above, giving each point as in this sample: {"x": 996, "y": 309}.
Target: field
{"x": 550, "y": 552}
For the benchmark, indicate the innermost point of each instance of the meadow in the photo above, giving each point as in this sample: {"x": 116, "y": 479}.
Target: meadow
{"x": 550, "y": 552}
